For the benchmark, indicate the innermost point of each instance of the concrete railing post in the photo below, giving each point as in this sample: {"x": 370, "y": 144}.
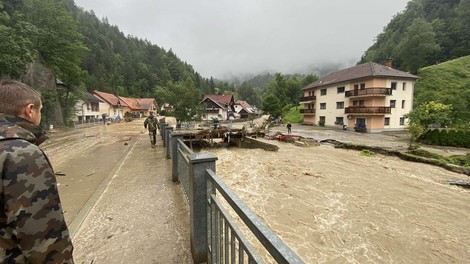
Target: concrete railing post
{"x": 168, "y": 141}
{"x": 162, "y": 131}
{"x": 198, "y": 195}
{"x": 160, "y": 124}
{"x": 174, "y": 162}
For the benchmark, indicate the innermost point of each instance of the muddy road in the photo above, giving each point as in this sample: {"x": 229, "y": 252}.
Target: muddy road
{"x": 84, "y": 157}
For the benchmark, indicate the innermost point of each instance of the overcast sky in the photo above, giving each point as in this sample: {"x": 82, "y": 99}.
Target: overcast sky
{"x": 222, "y": 37}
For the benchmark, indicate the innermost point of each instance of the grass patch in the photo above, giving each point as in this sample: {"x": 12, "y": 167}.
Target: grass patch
{"x": 459, "y": 160}
{"x": 367, "y": 153}
{"x": 293, "y": 115}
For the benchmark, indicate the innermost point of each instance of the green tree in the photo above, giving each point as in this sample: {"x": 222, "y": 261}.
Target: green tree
{"x": 248, "y": 93}
{"x": 417, "y": 45}
{"x": 425, "y": 115}
{"x": 185, "y": 99}
{"x": 272, "y": 105}
{"x": 16, "y": 49}
{"x": 57, "y": 41}
{"x": 430, "y": 113}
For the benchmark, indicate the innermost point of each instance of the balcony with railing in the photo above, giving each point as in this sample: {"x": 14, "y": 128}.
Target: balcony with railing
{"x": 307, "y": 111}
{"x": 368, "y": 110}
{"x": 307, "y": 99}
{"x": 212, "y": 110}
{"x": 369, "y": 92}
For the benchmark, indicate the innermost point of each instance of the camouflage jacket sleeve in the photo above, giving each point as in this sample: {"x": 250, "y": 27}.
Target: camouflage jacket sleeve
{"x": 35, "y": 230}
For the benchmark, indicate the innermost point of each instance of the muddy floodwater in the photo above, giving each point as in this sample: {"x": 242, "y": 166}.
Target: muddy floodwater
{"x": 329, "y": 205}
{"x": 336, "y": 206}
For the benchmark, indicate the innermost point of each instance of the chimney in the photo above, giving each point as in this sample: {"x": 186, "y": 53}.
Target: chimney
{"x": 389, "y": 63}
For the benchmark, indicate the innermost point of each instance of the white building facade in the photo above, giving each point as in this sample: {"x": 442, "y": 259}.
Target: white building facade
{"x": 368, "y": 98}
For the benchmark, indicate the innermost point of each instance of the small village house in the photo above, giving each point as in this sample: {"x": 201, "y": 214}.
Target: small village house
{"x": 167, "y": 107}
{"x": 220, "y": 106}
{"x": 369, "y": 98}
{"x": 87, "y": 109}
{"x": 111, "y": 105}
{"x": 120, "y": 106}
{"x": 243, "y": 109}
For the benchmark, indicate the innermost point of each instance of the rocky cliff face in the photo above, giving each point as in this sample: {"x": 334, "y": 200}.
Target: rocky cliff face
{"x": 43, "y": 79}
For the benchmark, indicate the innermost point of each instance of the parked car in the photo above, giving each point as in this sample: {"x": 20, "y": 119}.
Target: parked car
{"x": 113, "y": 118}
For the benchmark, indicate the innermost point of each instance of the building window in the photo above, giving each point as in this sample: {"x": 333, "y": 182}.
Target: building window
{"x": 310, "y": 93}
{"x": 358, "y": 103}
{"x": 323, "y": 106}
{"x": 340, "y": 89}
{"x": 392, "y": 103}
{"x": 339, "y": 121}
{"x": 402, "y": 121}
{"x": 339, "y": 105}
{"x": 363, "y": 86}
{"x": 356, "y": 87}
{"x": 402, "y": 103}
{"x": 387, "y": 121}
{"x": 322, "y": 119}
{"x": 394, "y": 85}
{"x": 404, "y": 86}
{"x": 323, "y": 92}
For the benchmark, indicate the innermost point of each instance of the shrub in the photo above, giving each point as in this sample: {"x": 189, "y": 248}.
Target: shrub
{"x": 367, "y": 153}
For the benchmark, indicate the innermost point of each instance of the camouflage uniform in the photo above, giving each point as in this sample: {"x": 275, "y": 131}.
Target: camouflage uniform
{"x": 32, "y": 226}
{"x": 151, "y": 123}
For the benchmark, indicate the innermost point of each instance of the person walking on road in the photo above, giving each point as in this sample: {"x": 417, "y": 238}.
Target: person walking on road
{"x": 32, "y": 225}
{"x": 289, "y": 128}
{"x": 151, "y": 123}
{"x": 104, "y": 115}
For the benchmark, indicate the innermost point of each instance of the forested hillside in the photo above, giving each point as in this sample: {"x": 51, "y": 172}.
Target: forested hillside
{"x": 447, "y": 83}
{"x": 86, "y": 52}
{"x": 426, "y": 33}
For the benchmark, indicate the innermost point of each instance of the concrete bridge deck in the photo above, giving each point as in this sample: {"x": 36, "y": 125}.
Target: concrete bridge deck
{"x": 140, "y": 215}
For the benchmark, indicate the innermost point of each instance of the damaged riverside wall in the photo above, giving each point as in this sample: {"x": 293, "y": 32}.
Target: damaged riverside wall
{"x": 253, "y": 144}
{"x": 406, "y": 156}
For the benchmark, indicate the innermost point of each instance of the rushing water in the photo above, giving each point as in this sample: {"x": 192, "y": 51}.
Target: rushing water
{"x": 336, "y": 206}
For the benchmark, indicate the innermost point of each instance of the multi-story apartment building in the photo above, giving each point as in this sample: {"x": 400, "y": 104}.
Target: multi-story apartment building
{"x": 369, "y": 97}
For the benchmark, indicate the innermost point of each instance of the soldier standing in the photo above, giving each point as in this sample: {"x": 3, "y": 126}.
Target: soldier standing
{"x": 32, "y": 225}
{"x": 289, "y": 128}
{"x": 151, "y": 123}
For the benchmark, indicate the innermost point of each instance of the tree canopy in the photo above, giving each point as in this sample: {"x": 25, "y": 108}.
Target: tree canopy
{"x": 426, "y": 33}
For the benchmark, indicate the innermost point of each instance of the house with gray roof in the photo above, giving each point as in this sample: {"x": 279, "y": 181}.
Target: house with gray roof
{"x": 369, "y": 97}
{"x": 87, "y": 109}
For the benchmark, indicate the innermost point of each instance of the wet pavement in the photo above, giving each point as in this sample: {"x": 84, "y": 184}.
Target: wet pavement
{"x": 137, "y": 214}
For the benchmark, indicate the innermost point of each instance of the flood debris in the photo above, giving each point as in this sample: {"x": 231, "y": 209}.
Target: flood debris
{"x": 460, "y": 183}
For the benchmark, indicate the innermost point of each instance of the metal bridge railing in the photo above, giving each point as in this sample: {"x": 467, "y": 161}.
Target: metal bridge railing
{"x": 216, "y": 237}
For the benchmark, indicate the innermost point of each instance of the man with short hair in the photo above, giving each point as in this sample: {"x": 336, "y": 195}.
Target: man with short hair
{"x": 152, "y": 123}
{"x": 32, "y": 225}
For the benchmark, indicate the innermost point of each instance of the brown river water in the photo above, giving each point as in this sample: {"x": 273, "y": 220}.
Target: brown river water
{"x": 336, "y": 206}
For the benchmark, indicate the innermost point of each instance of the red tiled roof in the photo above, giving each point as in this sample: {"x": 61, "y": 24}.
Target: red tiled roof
{"x": 370, "y": 69}
{"x": 132, "y": 103}
{"x": 146, "y": 103}
{"x": 225, "y": 99}
{"x": 107, "y": 97}
{"x": 244, "y": 104}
